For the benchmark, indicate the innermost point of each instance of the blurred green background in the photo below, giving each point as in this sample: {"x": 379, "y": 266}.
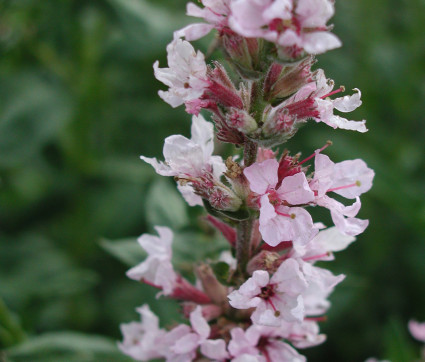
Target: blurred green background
{"x": 79, "y": 104}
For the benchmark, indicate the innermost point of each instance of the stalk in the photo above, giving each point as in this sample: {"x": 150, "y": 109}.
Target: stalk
{"x": 244, "y": 228}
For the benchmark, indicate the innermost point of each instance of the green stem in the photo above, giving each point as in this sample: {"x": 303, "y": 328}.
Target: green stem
{"x": 244, "y": 228}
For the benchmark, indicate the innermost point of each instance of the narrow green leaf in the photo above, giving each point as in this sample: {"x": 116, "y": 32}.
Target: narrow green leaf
{"x": 165, "y": 206}
{"x": 128, "y": 251}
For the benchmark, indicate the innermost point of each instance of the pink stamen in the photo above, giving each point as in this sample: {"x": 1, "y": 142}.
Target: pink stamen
{"x": 282, "y": 214}
{"x": 340, "y": 89}
{"x": 328, "y": 143}
{"x": 149, "y": 283}
{"x": 343, "y": 187}
{"x": 271, "y": 303}
{"x": 299, "y": 336}
{"x": 317, "y": 319}
{"x": 316, "y": 257}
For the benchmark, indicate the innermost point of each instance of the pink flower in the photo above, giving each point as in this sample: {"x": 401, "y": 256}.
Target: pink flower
{"x": 301, "y": 335}
{"x": 186, "y": 75}
{"x": 279, "y": 222}
{"x": 192, "y": 162}
{"x": 296, "y": 26}
{"x": 313, "y": 101}
{"x": 258, "y": 341}
{"x": 214, "y": 12}
{"x": 157, "y": 268}
{"x": 323, "y": 244}
{"x": 295, "y": 290}
{"x": 185, "y": 341}
{"x": 349, "y": 179}
{"x": 276, "y": 298}
{"x": 417, "y": 330}
{"x": 143, "y": 340}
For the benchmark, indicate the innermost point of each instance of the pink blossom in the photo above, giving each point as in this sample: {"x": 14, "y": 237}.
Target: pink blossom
{"x": 301, "y": 335}
{"x": 323, "y": 244}
{"x": 279, "y": 222}
{"x": 157, "y": 268}
{"x": 143, "y": 340}
{"x": 349, "y": 179}
{"x": 313, "y": 101}
{"x": 321, "y": 283}
{"x": 417, "y": 330}
{"x": 296, "y": 26}
{"x": 259, "y": 341}
{"x": 214, "y": 12}
{"x": 276, "y": 298}
{"x": 186, "y": 76}
{"x": 322, "y": 90}
{"x": 185, "y": 343}
{"x": 191, "y": 160}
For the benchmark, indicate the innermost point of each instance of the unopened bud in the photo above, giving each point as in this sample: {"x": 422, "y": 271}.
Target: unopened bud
{"x": 241, "y": 120}
{"x": 282, "y": 80}
{"x": 212, "y": 287}
{"x": 244, "y": 52}
{"x": 265, "y": 260}
{"x": 222, "y": 198}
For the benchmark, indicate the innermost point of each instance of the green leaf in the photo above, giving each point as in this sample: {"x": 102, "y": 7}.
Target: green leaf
{"x": 398, "y": 347}
{"x": 11, "y": 331}
{"x": 32, "y": 111}
{"x": 67, "y": 346}
{"x": 156, "y": 19}
{"x": 165, "y": 206}
{"x": 241, "y": 214}
{"x": 221, "y": 271}
{"x": 127, "y": 251}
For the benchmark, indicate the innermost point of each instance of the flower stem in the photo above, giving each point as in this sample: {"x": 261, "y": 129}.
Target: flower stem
{"x": 244, "y": 229}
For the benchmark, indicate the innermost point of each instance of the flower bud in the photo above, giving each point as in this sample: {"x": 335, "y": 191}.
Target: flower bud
{"x": 244, "y": 52}
{"x": 265, "y": 260}
{"x": 221, "y": 89}
{"x": 282, "y": 80}
{"x": 241, "y": 120}
{"x": 222, "y": 198}
{"x": 212, "y": 287}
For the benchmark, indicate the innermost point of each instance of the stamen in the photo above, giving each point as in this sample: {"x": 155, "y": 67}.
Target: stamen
{"x": 328, "y": 143}
{"x": 149, "y": 283}
{"x": 316, "y": 257}
{"x": 340, "y": 89}
{"x": 274, "y": 308}
{"x": 292, "y": 216}
{"x": 357, "y": 183}
{"x": 317, "y": 319}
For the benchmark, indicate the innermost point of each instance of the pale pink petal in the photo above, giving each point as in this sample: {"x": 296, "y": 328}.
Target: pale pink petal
{"x": 189, "y": 195}
{"x": 295, "y": 190}
{"x": 352, "y": 172}
{"x": 340, "y": 122}
{"x": 160, "y": 168}
{"x": 417, "y": 330}
{"x": 186, "y": 344}
{"x": 262, "y": 175}
{"x": 193, "y": 31}
{"x": 202, "y": 133}
{"x": 289, "y": 278}
{"x": 279, "y": 351}
{"x": 348, "y": 103}
{"x": 318, "y": 42}
{"x": 331, "y": 239}
{"x": 349, "y": 226}
{"x": 214, "y": 349}
{"x": 199, "y": 324}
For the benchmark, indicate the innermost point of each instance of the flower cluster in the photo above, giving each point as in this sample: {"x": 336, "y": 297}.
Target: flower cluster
{"x": 273, "y": 296}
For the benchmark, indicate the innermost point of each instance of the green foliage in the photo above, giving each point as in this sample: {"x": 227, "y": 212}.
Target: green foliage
{"x": 67, "y": 346}
{"x": 79, "y": 104}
